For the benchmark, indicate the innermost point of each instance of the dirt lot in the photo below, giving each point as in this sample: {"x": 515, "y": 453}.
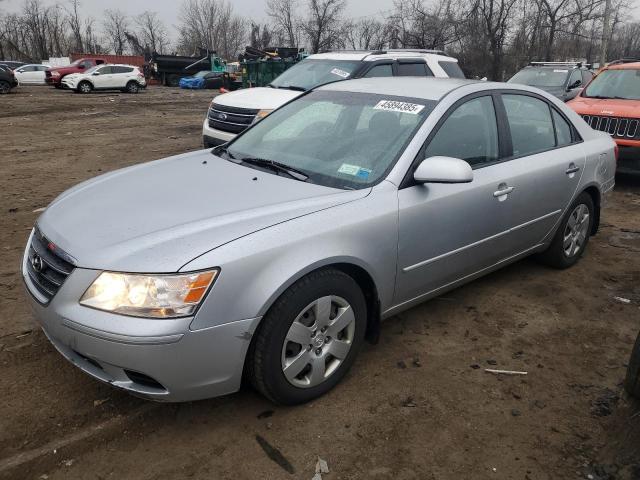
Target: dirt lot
{"x": 417, "y": 406}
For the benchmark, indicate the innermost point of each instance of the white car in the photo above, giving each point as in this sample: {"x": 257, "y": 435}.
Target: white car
{"x": 32, "y": 74}
{"x": 233, "y": 112}
{"x": 126, "y": 78}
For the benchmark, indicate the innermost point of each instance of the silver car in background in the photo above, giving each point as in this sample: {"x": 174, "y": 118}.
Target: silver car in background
{"x": 275, "y": 256}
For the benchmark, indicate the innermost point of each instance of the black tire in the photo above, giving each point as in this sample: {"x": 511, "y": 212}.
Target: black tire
{"x": 5, "y": 87}
{"x": 265, "y": 356}
{"x": 173, "y": 80}
{"x": 632, "y": 382}
{"x": 57, "y": 86}
{"x": 133, "y": 87}
{"x": 84, "y": 87}
{"x": 555, "y": 255}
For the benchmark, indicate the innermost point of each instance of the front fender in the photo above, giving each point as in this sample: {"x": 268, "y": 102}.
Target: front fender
{"x": 258, "y": 268}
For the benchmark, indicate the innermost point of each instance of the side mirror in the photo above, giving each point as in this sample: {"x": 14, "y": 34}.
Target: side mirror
{"x": 575, "y": 84}
{"x": 95, "y": 73}
{"x": 443, "y": 170}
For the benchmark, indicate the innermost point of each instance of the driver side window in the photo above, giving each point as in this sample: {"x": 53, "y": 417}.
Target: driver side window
{"x": 576, "y": 77}
{"x": 469, "y": 133}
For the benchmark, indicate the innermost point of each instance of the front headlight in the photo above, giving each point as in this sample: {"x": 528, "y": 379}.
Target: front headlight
{"x": 261, "y": 114}
{"x": 153, "y": 296}
{"x": 55, "y": 74}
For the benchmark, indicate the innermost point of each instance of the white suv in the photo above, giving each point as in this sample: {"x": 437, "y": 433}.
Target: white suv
{"x": 233, "y": 112}
{"x": 126, "y": 78}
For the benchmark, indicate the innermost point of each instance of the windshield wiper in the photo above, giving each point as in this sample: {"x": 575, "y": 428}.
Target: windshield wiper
{"x": 296, "y": 88}
{"x": 223, "y": 149}
{"x": 276, "y": 167}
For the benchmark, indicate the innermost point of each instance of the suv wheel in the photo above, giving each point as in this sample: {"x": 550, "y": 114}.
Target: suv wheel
{"x": 309, "y": 338}
{"x": 573, "y": 234}
{"x": 133, "y": 87}
{"x": 5, "y": 87}
{"x": 85, "y": 87}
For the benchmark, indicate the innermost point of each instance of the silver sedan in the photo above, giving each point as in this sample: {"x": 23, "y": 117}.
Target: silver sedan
{"x": 275, "y": 256}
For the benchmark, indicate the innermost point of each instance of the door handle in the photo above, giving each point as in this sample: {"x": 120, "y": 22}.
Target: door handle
{"x": 504, "y": 190}
{"x": 572, "y": 169}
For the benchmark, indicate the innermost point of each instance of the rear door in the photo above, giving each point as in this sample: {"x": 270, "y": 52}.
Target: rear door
{"x": 450, "y": 231}
{"x": 120, "y": 76}
{"x": 544, "y": 169}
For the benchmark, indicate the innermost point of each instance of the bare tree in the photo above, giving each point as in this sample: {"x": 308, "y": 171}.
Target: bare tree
{"x": 75, "y": 23}
{"x": 366, "y": 34}
{"x": 116, "y": 24}
{"x": 322, "y": 24}
{"x": 152, "y": 32}
{"x": 284, "y": 16}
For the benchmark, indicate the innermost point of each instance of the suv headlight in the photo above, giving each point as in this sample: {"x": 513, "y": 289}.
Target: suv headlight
{"x": 261, "y": 114}
{"x": 152, "y": 296}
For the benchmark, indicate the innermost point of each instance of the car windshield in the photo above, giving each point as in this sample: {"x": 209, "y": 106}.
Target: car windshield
{"x": 622, "y": 84}
{"x": 541, "y": 77}
{"x": 337, "y": 139}
{"x": 311, "y": 73}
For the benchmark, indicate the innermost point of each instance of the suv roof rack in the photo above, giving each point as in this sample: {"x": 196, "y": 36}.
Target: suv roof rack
{"x": 409, "y": 50}
{"x": 558, "y": 64}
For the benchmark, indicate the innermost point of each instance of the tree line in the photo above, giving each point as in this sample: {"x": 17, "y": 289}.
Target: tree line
{"x": 491, "y": 38}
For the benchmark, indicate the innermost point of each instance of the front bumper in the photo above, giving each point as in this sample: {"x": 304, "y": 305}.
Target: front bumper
{"x": 212, "y": 137}
{"x": 53, "y": 80}
{"x": 162, "y": 360}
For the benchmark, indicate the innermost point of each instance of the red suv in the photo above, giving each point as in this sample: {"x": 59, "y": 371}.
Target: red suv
{"x": 611, "y": 103}
{"x": 54, "y": 76}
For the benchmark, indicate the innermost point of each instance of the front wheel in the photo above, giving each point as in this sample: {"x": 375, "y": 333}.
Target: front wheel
{"x": 632, "y": 382}
{"x": 4, "y": 87}
{"x": 572, "y": 237}
{"x": 309, "y": 338}
{"x": 84, "y": 87}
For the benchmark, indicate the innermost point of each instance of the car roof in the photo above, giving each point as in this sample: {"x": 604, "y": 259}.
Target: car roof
{"x": 428, "y": 88}
{"x": 372, "y": 55}
{"x": 624, "y": 66}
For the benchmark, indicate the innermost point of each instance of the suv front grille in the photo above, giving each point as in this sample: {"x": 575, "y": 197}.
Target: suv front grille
{"x": 230, "y": 119}
{"x": 617, "y": 127}
{"x": 46, "y": 268}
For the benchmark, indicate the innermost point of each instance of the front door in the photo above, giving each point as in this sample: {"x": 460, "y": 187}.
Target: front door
{"x": 450, "y": 231}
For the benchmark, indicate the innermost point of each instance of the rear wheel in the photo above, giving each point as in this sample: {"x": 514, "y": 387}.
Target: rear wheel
{"x": 632, "y": 382}
{"x": 572, "y": 236}
{"x": 85, "y": 87}
{"x": 309, "y": 339}
{"x": 5, "y": 87}
{"x": 133, "y": 87}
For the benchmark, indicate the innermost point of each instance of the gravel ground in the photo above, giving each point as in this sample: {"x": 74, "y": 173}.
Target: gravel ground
{"x": 418, "y": 405}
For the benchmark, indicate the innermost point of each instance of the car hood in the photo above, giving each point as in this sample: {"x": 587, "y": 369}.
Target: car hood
{"x": 259, "y": 98}
{"x": 606, "y": 106}
{"x": 158, "y": 216}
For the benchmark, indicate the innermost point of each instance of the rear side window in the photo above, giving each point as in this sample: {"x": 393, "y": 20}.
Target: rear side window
{"x": 563, "y": 129}
{"x": 414, "y": 70}
{"x": 530, "y": 124}
{"x": 469, "y": 133}
{"x": 121, "y": 69}
{"x": 452, "y": 69}
{"x": 380, "y": 71}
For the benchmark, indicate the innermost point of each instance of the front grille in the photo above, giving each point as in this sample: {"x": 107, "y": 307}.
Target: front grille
{"x": 46, "y": 268}
{"x": 617, "y": 127}
{"x": 230, "y": 119}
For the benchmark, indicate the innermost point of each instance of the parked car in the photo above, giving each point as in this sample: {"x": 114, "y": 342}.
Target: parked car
{"x": 11, "y": 64}
{"x": 611, "y": 104}
{"x": 7, "y": 80}
{"x": 632, "y": 381}
{"x": 231, "y": 113}
{"x": 126, "y": 78}
{"x": 564, "y": 80}
{"x": 203, "y": 79}
{"x": 32, "y": 74}
{"x": 275, "y": 255}
{"x": 54, "y": 76}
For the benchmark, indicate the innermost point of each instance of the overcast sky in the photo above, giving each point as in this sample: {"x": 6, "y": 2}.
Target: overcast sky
{"x": 169, "y": 9}
{"x": 253, "y": 9}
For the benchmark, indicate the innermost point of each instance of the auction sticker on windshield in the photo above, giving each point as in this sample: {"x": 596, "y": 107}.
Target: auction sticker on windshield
{"x": 403, "y": 107}
{"x": 354, "y": 170}
{"x": 340, "y": 73}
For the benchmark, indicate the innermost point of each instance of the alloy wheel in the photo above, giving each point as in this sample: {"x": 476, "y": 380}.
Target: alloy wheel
{"x": 576, "y": 231}
{"x": 318, "y": 341}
